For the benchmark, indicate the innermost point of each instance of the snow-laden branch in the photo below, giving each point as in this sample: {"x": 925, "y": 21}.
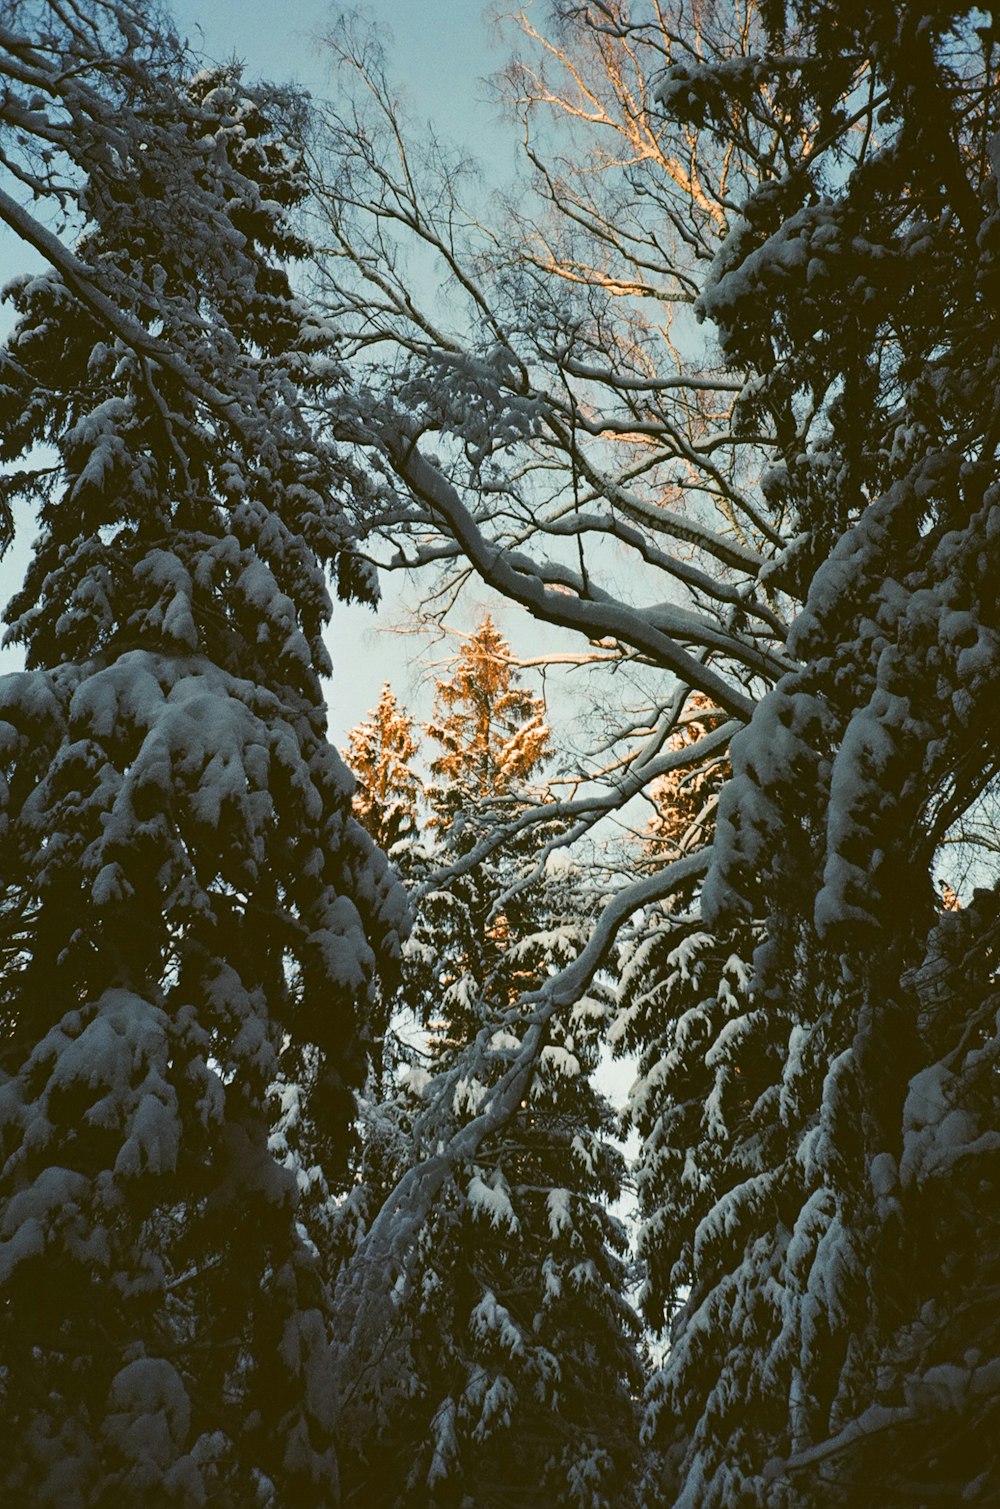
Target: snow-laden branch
{"x": 719, "y": 589}
{"x": 130, "y": 331}
{"x": 377, "y": 1270}
{"x": 524, "y": 584}
{"x": 873, "y": 1420}
{"x": 678, "y": 526}
{"x": 684, "y": 382}
{"x": 583, "y": 813}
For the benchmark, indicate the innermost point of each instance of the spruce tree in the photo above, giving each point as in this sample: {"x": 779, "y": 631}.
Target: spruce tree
{"x": 839, "y": 1342}
{"x": 197, "y": 921}
{"x": 380, "y": 753}
{"x": 515, "y": 1350}
{"x": 492, "y": 736}
{"x": 683, "y": 992}
{"x": 387, "y": 801}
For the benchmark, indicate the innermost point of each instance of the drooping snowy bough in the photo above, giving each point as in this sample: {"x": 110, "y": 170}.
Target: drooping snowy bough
{"x": 792, "y": 534}
{"x": 820, "y": 182}
{"x": 193, "y": 924}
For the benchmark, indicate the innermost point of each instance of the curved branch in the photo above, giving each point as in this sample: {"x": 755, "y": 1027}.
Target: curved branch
{"x": 378, "y": 1268}
{"x": 595, "y": 619}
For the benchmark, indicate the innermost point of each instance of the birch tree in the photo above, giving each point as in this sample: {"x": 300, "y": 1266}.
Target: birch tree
{"x": 805, "y": 513}
{"x": 556, "y": 428}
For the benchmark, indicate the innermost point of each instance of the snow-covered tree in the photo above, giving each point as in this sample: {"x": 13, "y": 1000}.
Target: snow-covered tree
{"x": 819, "y": 182}
{"x": 194, "y": 922}
{"x": 491, "y": 731}
{"x": 492, "y": 736}
{"x": 510, "y": 1375}
{"x": 684, "y": 800}
{"x": 557, "y": 426}
{"x": 674, "y": 980}
{"x": 380, "y": 751}
{"x": 827, "y": 1353}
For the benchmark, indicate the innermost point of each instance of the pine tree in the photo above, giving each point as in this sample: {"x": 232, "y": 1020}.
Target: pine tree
{"x": 516, "y": 1351}
{"x": 196, "y": 920}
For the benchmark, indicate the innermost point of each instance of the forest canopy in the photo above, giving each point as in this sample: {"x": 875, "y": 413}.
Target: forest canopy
{"x": 310, "y": 1189}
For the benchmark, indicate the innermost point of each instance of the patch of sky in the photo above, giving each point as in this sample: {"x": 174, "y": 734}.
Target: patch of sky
{"x": 442, "y": 56}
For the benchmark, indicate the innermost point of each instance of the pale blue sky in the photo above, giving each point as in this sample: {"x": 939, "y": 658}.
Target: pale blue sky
{"x": 441, "y": 52}
{"x": 439, "y": 48}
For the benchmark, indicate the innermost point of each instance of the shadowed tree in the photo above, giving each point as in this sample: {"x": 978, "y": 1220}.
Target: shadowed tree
{"x": 197, "y": 920}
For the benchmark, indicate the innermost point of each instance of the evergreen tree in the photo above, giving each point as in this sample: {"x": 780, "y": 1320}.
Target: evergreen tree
{"x": 491, "y": 730}
{"x": 379, "y": 752}
{"x": 838, "y": 1345}
{"x": 684, "y": 799}
{"x": 196, "y": 921}
{"x": 492, "y": 736}
{"x": 515, "y": 1351}
{"x": 683, "y": 992}
{"x": 387, "y": 800}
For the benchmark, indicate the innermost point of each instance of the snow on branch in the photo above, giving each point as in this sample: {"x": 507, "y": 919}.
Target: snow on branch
{"x": 523, "y": 583}
{"x": 379, "y": 1266}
